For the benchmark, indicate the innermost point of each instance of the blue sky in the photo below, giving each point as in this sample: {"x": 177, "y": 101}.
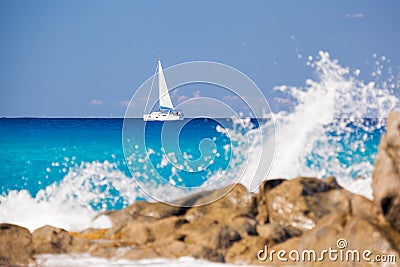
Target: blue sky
{"x": 86, "y": 58}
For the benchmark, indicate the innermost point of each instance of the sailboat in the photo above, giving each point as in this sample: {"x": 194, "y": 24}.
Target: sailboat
{"x": 166, "y": 111}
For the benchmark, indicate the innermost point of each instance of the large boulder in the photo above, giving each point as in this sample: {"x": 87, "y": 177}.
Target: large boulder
{"x": 348, "y": 235}
{"x": 301, "y": 202}
{"x": 15, "y": 245}
{"x": 386, "y": 174}
{"x": 49, "y": 239}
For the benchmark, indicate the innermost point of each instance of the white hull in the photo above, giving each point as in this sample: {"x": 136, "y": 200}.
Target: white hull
{"x": 160, "y": 116}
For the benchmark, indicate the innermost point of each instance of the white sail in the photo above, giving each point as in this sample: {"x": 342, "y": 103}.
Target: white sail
{"x": 165, "y": 100}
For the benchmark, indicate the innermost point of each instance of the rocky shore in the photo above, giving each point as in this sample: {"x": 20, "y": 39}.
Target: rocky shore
{"x": 298, "y": 214}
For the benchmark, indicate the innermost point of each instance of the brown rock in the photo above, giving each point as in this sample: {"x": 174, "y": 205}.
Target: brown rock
{"x": 170, "y": 248}
{"x": 15, "y": 245}
{"x": 232, "y": 196}
{"x": 157, "y": 210}
{"x": 166, "y": 227}
{"x": 137, "y": 233}
{"x": 91, "y": 234}
{"x": 203, "y": 230}
{"x": 272, "y": 233}
{"x": 292, "y": 231}
{"x": 262, "y": 207}
{"x": 109, "y": 249}
{"x": 365, "y": 209}
{"x": 378, "y": 242}
{"x": 215, "y": 217}
{"x": 209, "y": 233}
{"x": 243, "y": 225}
{"x": 220, "y": 223}
{"x": 211, "y": 211}
{"x": 386, "y": 174}
{"x": 140, "y": 252}
{"x": 234, "y": 199}
{"x": 143, "y": 212}
{"x": 142, "y": 233}
{"x": 138, "y": 215}
{"x": 341, "y": 232}
{"x": 163, "y": 248}
{"x": 301, "y": 202}
{"x": 49, "y": 239}
{"x": 244, "y": 252}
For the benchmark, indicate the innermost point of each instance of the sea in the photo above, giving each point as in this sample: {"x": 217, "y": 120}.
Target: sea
{"x": 65, "y": 171}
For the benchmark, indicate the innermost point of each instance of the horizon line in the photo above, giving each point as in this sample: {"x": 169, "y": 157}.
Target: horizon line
{"x": 89, "y": 117}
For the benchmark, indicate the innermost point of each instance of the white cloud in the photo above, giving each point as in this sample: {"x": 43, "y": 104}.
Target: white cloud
{"x": 182, "y": 98}
{"x": 95, "y": 102}
{"x": 230, "y": 98}
{"x": 355, "y": 15}
{"x": 124, "y": 103}
{"x": 283, "y": 100}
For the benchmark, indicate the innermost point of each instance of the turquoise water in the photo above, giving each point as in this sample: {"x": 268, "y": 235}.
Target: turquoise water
{"x": 36, "y": 153}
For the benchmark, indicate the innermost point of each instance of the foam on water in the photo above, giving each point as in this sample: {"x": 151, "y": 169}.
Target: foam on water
{"x": 69, "y": 204}
{"x": 333, "y": 127}
{"x": 88, "y": 261}
{"x": 330, "y": 103}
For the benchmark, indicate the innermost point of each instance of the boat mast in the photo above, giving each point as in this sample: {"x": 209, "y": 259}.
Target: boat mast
{"x": 152, "y": 83}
